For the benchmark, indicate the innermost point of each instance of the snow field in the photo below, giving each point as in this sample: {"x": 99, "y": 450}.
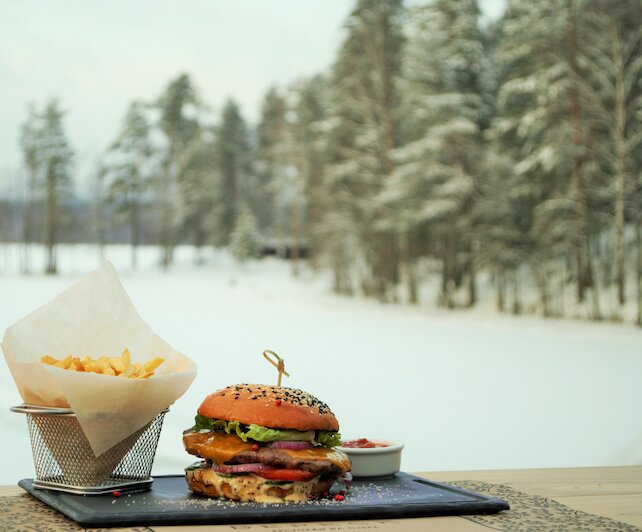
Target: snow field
{"x": 463, "y": 390}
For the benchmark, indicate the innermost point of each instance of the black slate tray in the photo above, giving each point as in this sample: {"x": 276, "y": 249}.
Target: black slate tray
{"x": 169, "y": 502}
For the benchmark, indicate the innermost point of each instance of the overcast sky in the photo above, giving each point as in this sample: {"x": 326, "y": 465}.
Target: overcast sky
{"x": 98, "y": 55}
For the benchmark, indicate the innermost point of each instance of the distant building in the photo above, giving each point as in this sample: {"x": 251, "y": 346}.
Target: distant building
{"x": 286, "y": 248}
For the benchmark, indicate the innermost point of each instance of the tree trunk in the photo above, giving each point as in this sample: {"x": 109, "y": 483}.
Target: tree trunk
{"x": 52, "y": 221}
{"x": 100, "y": 215}
{"x": 447, "y": 274}
{"x": 596, "y": 312}
{"x": 101, "y": 231}
{"x": 28, "y": 236}
{"x": 167, "y": 222}
{"x": 342, "y": 283}
{"x": 472, "y": 277}
{"x": 517, "y": 294}
{"x": 200, "y": 235}
{"x": 582, "y": 257}
{"x": 295, "y": 252}
{"x": 280, "y": 236}
{"x": 562, "y": 289}
{"x": 500, "y": 284}
{"x": 408, "y": 268}
{"x": 167, "y": 228}
{"x": 388, "y": 266}
{"x": 388, "y": 251}
{"x": 638, "y": 253}
{"x": 619, "y": 238}
{"x": 544, "y": 296}
{"x": 135, "y": 232}
{"x": 413, "y": 285}
{"x": 444, "y": 296}
{"x": 620, "y": 179}
{"x": 27, "y": 225}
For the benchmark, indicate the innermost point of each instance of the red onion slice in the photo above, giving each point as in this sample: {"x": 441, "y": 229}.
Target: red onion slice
{"x": 294, "y": 445}
{"x": 241, "y": 468}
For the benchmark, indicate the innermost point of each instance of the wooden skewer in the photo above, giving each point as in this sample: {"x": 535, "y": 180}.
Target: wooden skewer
{"x": 279, "y": 364}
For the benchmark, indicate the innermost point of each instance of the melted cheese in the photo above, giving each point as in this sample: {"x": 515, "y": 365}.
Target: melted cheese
{"x": 220, "y": 448}
{"x": 216, "y": 446}
{"x": 252, "y": 488}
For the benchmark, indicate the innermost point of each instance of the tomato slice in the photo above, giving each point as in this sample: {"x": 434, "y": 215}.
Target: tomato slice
{"x": 295, "y": 475}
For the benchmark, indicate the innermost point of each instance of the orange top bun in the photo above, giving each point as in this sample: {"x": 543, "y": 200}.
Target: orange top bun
{"x": 275, "y": 407}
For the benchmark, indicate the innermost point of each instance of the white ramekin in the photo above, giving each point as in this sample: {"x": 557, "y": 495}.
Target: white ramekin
{"x": 375, "y": 461}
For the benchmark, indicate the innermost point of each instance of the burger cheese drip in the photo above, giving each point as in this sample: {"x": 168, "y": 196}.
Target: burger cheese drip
{"x": 234, "y": 433}
{"x": 214, "y": 446}
{"x": 222, "y": 448}
{"x": 250, "y": 488}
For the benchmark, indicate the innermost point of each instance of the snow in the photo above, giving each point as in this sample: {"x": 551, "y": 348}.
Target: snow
{"x": 462, "y": 389}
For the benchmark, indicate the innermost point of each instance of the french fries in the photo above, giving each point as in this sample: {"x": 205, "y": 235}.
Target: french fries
{"x": 115, "y": 366}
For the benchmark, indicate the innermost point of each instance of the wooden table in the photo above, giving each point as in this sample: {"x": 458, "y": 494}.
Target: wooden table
{"x": 611, "y": 492}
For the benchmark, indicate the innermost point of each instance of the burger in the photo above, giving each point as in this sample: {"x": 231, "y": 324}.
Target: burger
{"x": 264, "y": 443}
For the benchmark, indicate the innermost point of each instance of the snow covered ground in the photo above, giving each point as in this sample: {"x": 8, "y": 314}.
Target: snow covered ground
{"x": 462, "y": 389}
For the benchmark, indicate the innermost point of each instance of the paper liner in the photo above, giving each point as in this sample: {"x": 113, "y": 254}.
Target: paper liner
{"x": 95, "y": 317}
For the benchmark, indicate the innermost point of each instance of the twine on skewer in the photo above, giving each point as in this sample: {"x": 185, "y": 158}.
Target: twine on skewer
{"x": 277, "y": 362}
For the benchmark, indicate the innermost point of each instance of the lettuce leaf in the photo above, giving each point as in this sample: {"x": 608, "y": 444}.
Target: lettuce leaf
{"x": 328, "y": 439}
{"x": 264, "y": 434}
{"x": 206, "y": 423}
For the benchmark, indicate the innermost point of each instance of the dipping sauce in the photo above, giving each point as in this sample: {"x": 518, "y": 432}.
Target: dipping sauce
{"x": 362, "y": 443}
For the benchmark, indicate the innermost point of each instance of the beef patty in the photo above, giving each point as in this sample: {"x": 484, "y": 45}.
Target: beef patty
{"x": 275, "y": 457}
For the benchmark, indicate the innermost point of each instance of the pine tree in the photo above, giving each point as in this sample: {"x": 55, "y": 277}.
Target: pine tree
{"x": 509, "y": 197}
{"x": 503, "y": 234}
{"x": 54, "y": 156}
{"x": 445, "y": 104}
{"x": 232, "y": 148}
{"x": 130, "y": 171}
{"x": 308, "y": 111}
{"x": 290, "y": 164}
{"x": 243, "y": 240}
{"x": 540, "y": 126}
{"x": 178, "y": 105}
{"x": 199, "y": 183}
{"x": 611, "y": 60}
{"x": 362, "y": 135}
{"x": 29, "y": 146}
{"x": 101, "y": 207}
{"x": 272, "y": 161}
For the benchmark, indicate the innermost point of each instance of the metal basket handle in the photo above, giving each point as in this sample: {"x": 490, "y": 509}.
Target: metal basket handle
{"x": 35, "y": 409}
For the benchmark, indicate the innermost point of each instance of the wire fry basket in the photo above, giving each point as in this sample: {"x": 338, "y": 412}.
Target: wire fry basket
{"x": 64, "y": 460}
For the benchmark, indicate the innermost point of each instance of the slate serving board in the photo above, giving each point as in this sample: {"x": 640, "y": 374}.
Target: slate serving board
{"x": 169, "y": 502}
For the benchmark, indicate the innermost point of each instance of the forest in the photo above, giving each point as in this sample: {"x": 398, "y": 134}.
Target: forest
{"x": 438, "y": 146}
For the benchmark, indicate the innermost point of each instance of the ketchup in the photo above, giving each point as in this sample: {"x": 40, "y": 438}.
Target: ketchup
{"x": 362, "y": 443}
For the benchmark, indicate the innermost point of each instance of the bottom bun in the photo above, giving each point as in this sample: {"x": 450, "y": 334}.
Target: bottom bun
{"x": 204, "y": 480}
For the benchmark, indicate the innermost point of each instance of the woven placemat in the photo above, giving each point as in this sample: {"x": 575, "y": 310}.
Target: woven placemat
{"x": 536, "y": 513}
{"x": 24, "y": 513}
{"x": 527, "y": 513}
